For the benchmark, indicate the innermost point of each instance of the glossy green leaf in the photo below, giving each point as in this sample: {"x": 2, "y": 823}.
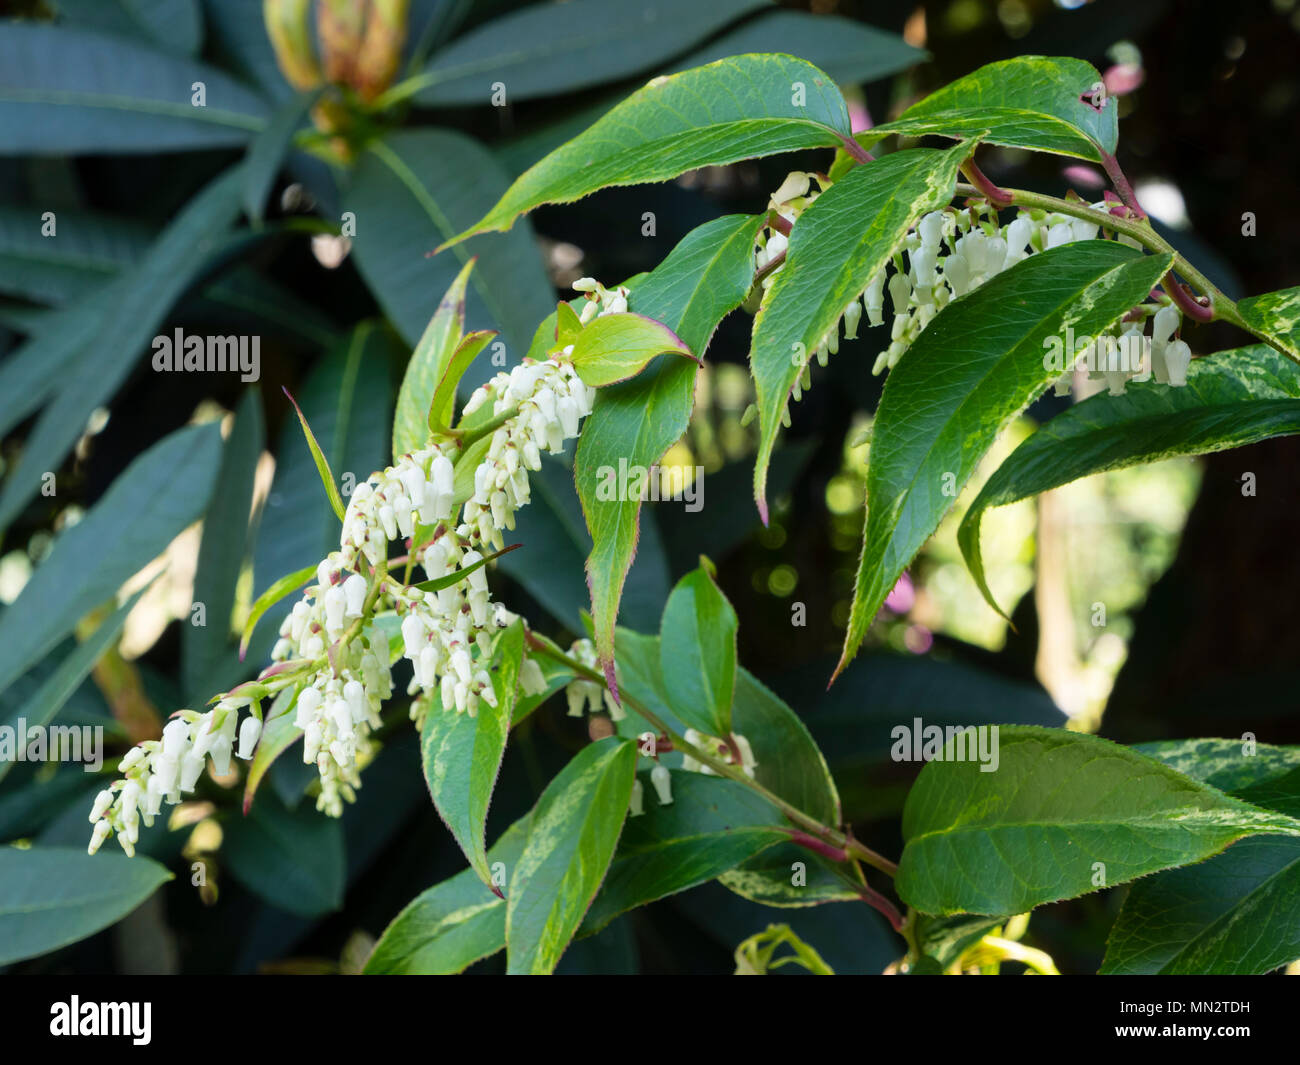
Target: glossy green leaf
{"x": 153, "y": 499}
{"x": 412, "y": 190}
{"x": 222, "y": 550}
{"x": 291, "y": 858}
{"x": 428, "y": 363}
{"x": 1063, "y": 814}
{"x": 734, "y": 109}
{"x": 1277, "y": 316}
{"x": 974, "y": 368}
{"x": 98, "y": 344}
{"x": 62, "y": 683}
{"x": 1042, "y": 103}
{"x": 1231, "y": 399}
{"x": 73, "y": 91}
{"x": 89, "y": 249}
{"x": 571, "y": 841}
{"x": 941, "y": 941}
{"x": 697, "y": 652}
{"x": 788, "y": 876}
{"x": 541, "y": 50}
{"x": 844, "y": 238}
{"x": 1229, "y": 765}
{"x": 632, "y": 424}
{"x": 1234, "y": 913}
{"x": 456, "y": 576}
{"x": 453, "y": 924}
{"x": 50, "y": 897}
{"x": 615, "y": 347}
{"x": 462, "y": 754}
{"x": 712, "y": 825}
{"x": 444, "y": 398}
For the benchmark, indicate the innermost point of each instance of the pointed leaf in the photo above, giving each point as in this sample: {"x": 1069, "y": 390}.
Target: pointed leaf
{"x": 444, "y": 398}
{"x": 615, "y": 347}
{"x": 633, "y": 424}
{"x": 1277, "y": 316}
{"x": 571, "y": 841}
{"x": 972, "y": 370}
{"x": 268, "y": 152}
{"x": 277, "y": 591}
{"x": 462, "y": 754}
{"x": 1230, "y": 399}
{"x": 1063, "y": 814}
{"x": 734, "y": 109}
{"x": 1043, "y": 103}
{"x": 697, "y": 653}
{"x": 844, "y": 238}
{"x": 429, "y": 361}
{"x": 453, "y": 924}
{"x": 322, "y": 463}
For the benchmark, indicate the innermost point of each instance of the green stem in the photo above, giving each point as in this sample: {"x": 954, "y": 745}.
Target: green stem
{"x": 725, "y": 769}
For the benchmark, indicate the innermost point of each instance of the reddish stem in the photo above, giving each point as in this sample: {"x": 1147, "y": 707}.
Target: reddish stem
{"x": 996, "y": 196}
{"x": 1121, "y": 183}
{"x": 1187, "y": 303}
{"x": 856, "y": 150}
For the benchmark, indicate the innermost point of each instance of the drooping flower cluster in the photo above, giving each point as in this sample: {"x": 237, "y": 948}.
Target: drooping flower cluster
{"x": 339, "y": 665}
{"x": 159, "y": 771}
{"x": 953, "y": 251}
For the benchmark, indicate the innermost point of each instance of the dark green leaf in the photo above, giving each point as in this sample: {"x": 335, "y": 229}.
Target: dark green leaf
{"x": 615, "y": 347}
{"x": 697, "y": 652}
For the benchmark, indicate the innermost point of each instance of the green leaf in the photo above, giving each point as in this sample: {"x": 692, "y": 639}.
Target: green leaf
{"x": 1029, "y": 102}
{"x": 1064, "y": 814}
{"x": 1229, "y": 765}
{"x": 453, "y": 924}
{"x": 428, "y": 363}
{"x": 712, "y": 825}
{"x": 462, "y": 755}
{"x": 147, "y": 506}
{"x": 697, "y": 652}
{"x": 616, "y": 347}
{"x": 97, "y": 345}
{"x": 1277, "y": 316}
{"x": 222, "y": 550}
{"x": 50, "y": 897}
{"x": 291, "y": 858}
{"x": 942, "y": 940}
{"x": 1231, "y": 399}
{"x": 633, "y": 424}
{"x": 268, "y": 152}
{"x": 66, "y": 678}
{"x": 571, "y": 841}
{"x": 543, "y": 51}
{"x": 444, "y": 398}
{"x": 770, "y": 879}
{"x": 734, "y": 109}
{"x": 412, "y": 190}
{"x": 318, "y": 456}
{"x": 74, "y": 92}
{"x": 974, "y": 368}
{"x": 277, "y": 591}
{"x": 456, "y": 576}
{"x": 1232, "y": 914}
{"x": 841, "y": 241}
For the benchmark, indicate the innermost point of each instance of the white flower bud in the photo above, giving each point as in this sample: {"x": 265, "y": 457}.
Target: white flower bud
{"x": 636, "y": 805}
{"x": 531, "y": 678}
{"x": 191, "y": 770}
{"x": 249, "y": 733}
{"x": 102, "y": 829}
{"x": 663, "y": 784}
{"x": 102, "y": 802}
{"x": 309, "y": 700}
{"x": 354, "y": 593}
{"x": 1178, "y": 356}
{"x": 336, "y": 603}
{"x": 796, "y": 184}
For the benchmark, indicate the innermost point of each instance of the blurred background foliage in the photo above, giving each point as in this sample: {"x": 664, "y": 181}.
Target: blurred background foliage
{"x": 343, "y": 189}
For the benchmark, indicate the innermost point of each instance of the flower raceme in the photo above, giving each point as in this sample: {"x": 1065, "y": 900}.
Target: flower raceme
{"x": 328, "y": 653}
